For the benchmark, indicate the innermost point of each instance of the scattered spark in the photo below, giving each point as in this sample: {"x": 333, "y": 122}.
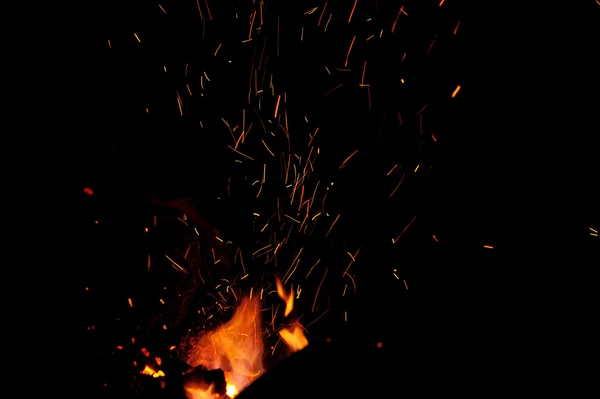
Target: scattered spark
{"x": 352, "y": 12}
{"x": 455, "y": 91}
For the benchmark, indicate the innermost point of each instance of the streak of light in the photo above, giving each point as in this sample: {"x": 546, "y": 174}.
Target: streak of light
{"x": 431, "y": 45}
{"x": 406, "y": 228}
{"x": 396, "y": 20}
{"x": 175, "y": 265}
{"x": 352, "y": 12}
{"x": 322, "y": 12}
{"x": 458, "y": 24}
{"x": 318, "y": 289}
{"x": 265, "y": 144}
{"x": 349, "y": 50}
{"x": 335, "y": 88}
{"x": 347, "y": 159}
{"x": 399, "y": 183}
{"x": 455, "y": 91}
{"x": 313, "y": 266}
{"x": 327, "y": 24}
{"x": 217, "y": 50}
{"x": 242, "y": 154}
{"x": 351, "y": 279}
{"x": 332, "y": 224}
{"x": 277, "y": 106}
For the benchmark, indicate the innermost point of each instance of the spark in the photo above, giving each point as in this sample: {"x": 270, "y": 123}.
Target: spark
{"x": 396, "y": 20}
{"x": 319, "y": 289}
{"x": 456, "y": 29}
{"x": 347, "y": 159}
{"x": 400, "y": 235}
{"x": 322, "y": 12}
{"x": 265, "y": 144}
{"x": 313, "y": 266}
{"x": 335, "y": 88}
{"x": 455, "y": 91}
{"x": 242, "y": 154}
{"x": 352, "y": 12}
{"x": 332, "y": 224}
{"x": 327, "y": 24}
{"x": 349, "y": 50}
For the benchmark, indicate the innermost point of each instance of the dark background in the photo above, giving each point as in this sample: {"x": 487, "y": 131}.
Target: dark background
{"x": 124, "y": 152}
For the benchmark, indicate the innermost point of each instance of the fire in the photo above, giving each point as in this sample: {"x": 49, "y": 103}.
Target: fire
{"x": 294, "y": 339}
{"x": 237, "y": 347}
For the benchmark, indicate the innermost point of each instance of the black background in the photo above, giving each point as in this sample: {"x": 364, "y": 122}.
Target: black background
{"x": 125, "y": 152}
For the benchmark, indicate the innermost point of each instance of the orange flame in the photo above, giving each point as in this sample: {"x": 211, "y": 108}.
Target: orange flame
{"x": 288, "y": 298}
{"x": 236, "y": 347}
{"x": 294, "y": 338}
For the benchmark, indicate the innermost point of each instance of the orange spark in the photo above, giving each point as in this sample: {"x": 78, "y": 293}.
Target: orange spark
{"x": 455, "y": 91}
{"x": 277, "y": 106}
{"x": 352, "y": 12}
{"x": 322, "y": 12}
{"x": 347, "y": 159}
{"x": 349, "y": 50}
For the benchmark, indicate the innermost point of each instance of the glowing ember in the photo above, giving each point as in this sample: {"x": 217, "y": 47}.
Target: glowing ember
{"x": 149, "y": 371}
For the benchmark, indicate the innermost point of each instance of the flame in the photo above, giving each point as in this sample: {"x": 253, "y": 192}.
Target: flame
{"x": 236, "y": 347}
{"x": 287, "y": 298}
{"x": 199, "y": 393}
{"x": 294, "y": 339}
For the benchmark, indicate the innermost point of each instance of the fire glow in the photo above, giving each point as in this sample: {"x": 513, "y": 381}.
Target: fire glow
{"x": 237, "y": 347}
